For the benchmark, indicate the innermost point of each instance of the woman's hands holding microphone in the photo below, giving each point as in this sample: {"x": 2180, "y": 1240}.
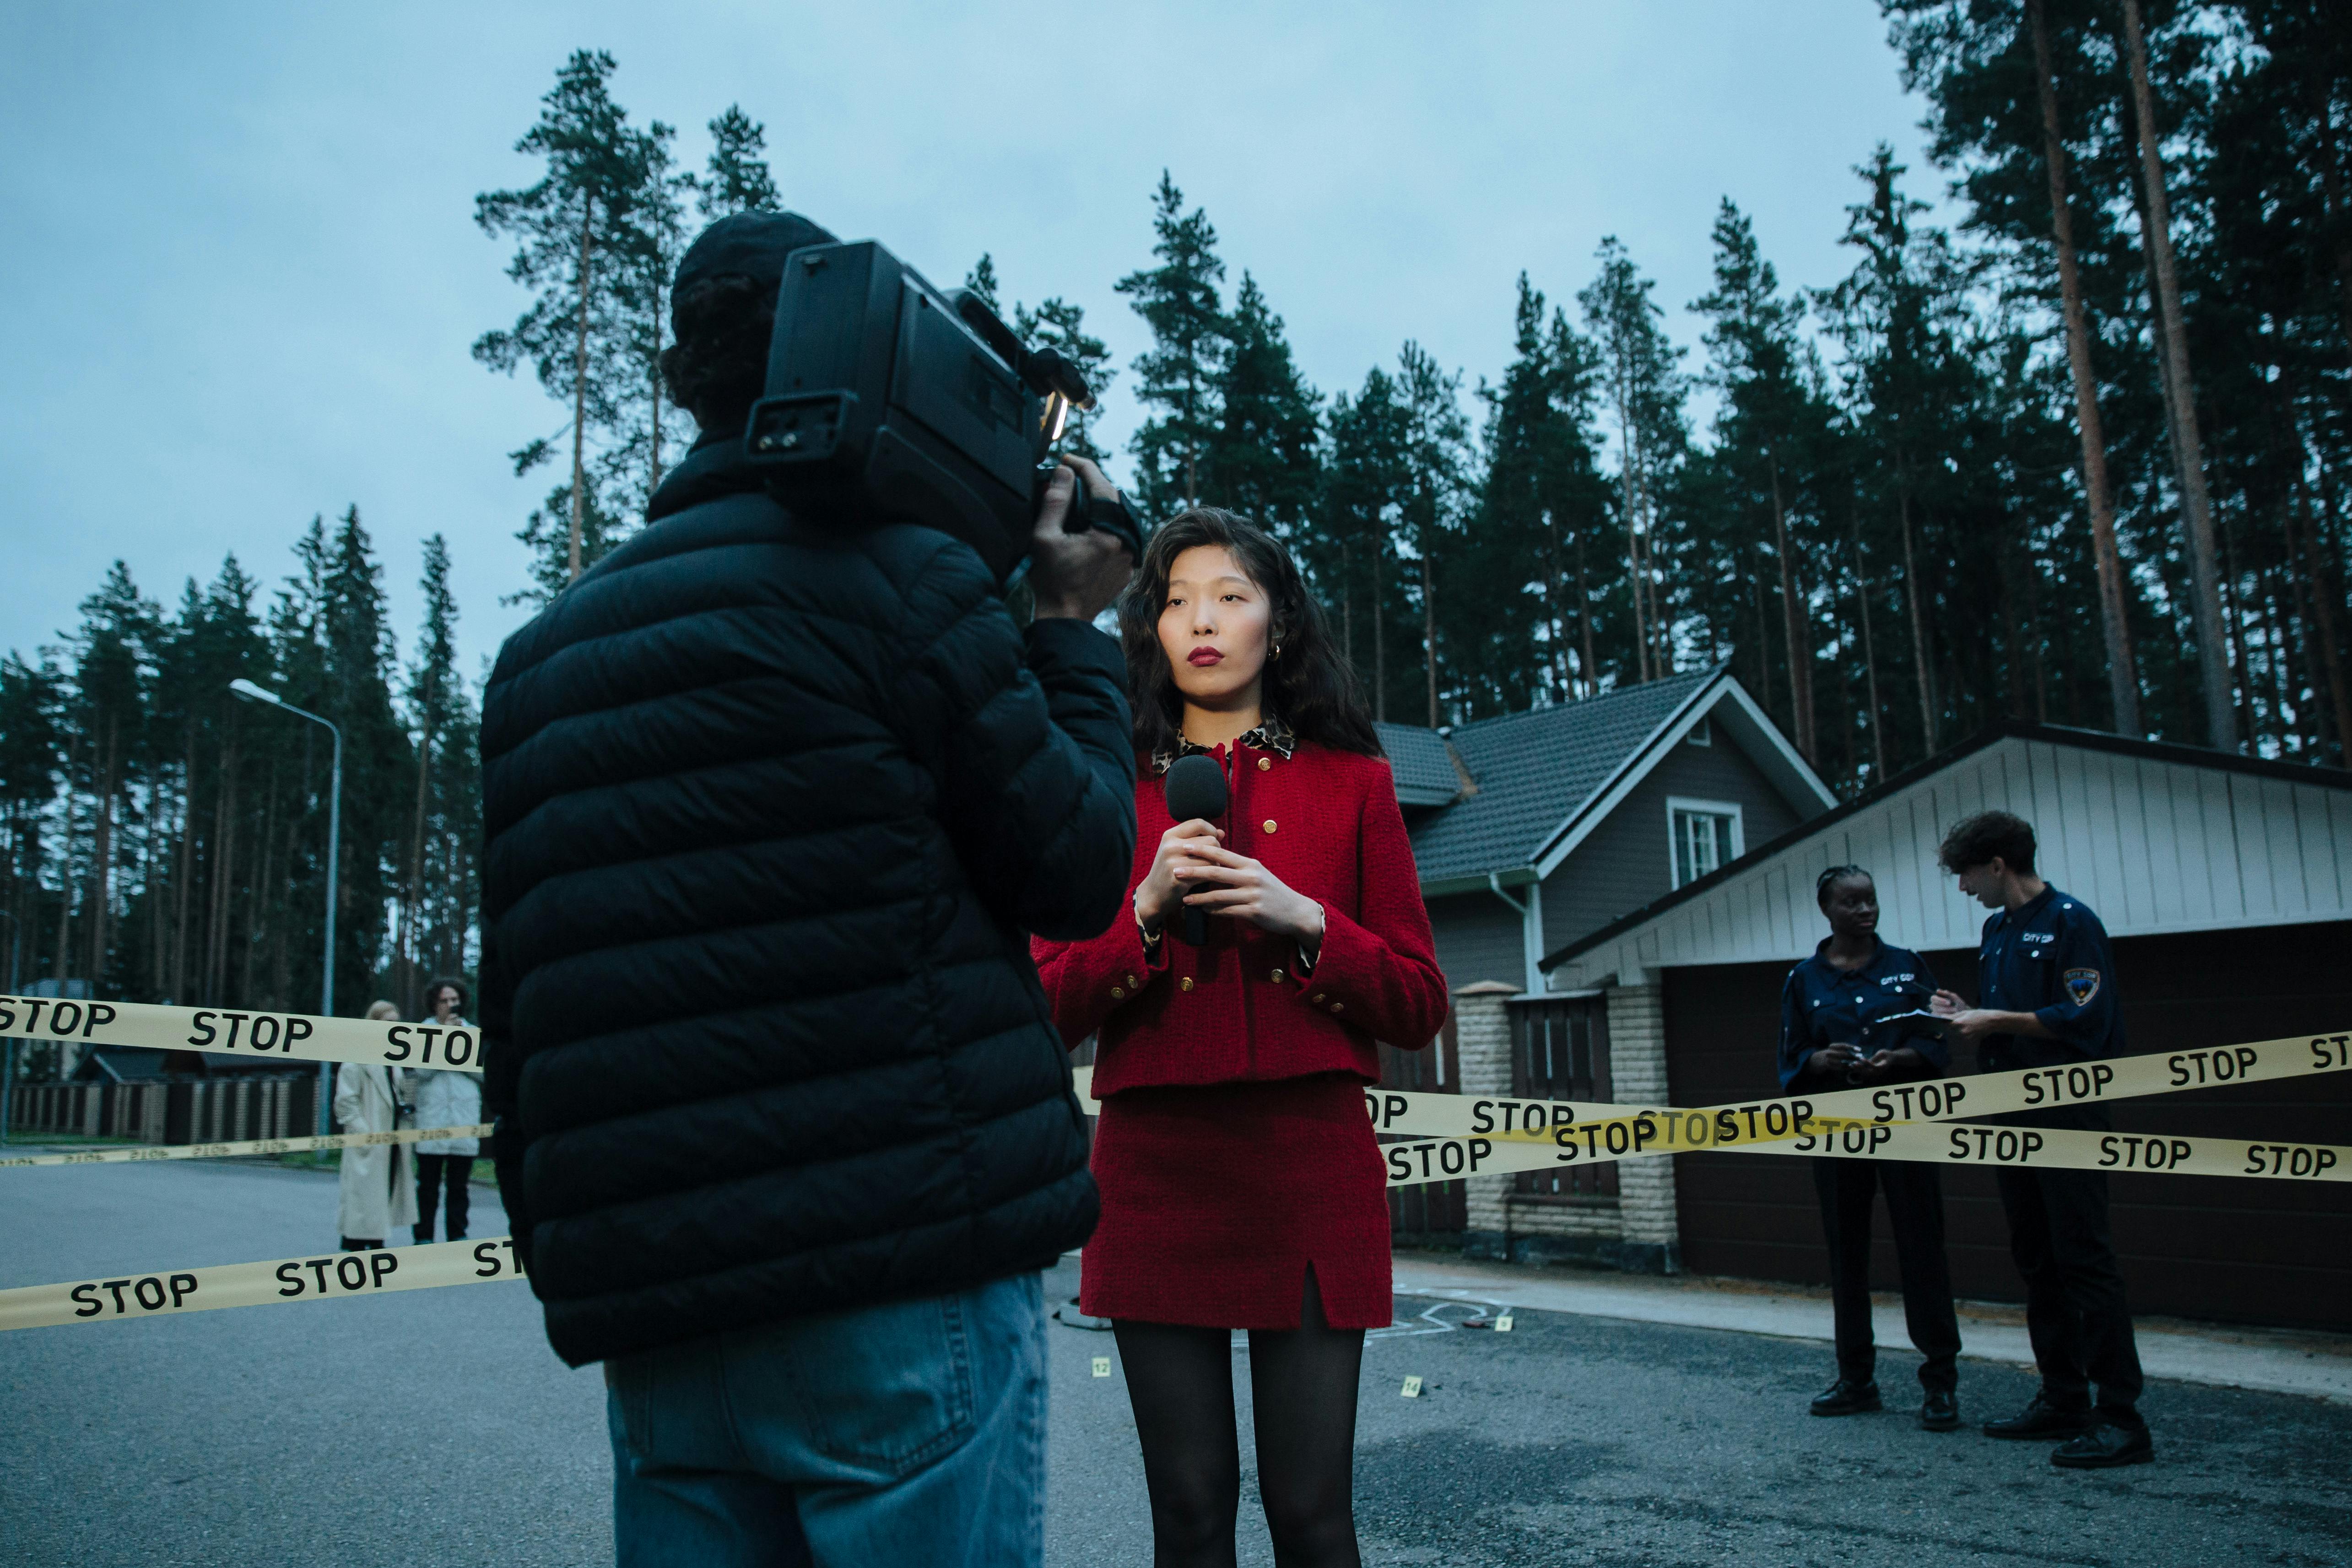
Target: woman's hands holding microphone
{"x": 1194, "y": 867}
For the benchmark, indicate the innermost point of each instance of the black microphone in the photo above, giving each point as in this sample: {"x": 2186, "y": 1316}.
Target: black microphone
{"x": 1195, "y": 786}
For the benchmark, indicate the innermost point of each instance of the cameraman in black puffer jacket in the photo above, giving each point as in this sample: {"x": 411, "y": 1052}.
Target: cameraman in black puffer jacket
{"x": 785, "y": 1129}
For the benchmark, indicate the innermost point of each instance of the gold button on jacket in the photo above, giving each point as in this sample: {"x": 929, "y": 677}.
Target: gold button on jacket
{"x": 1269, "y": 825}
{"x": 1185, "y": 984}
{"x": 1277, "y": 977}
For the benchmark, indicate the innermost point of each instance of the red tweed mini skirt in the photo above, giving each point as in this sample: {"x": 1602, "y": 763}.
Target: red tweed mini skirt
{"x": 1216, "y": 1200}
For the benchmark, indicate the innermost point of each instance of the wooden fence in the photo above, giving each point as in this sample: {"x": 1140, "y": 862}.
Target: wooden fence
{"x": 216, "y": 1111}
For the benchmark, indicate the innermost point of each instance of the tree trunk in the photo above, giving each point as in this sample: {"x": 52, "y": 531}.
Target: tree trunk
{"x": 2180, "y": 385}
{"x": 1924, "y": 673}
{"x": 1633, "y": 551}
{"x": 1554, "y": 625}
{"x": 1380, "y": 638}
{"x": 1348, "y": 604}
{"x": 1801, "y": 684}
{"x": 580, "y": 388}
{"x": 1869, "y": 659}
{"x": 412, "y": 947}
{"x": 2324, "y": 597}
{"x": 2123, "y": 676}
{"x": 102, "y": 856}
{"x": 2234, "y": 619}
{"x": 186, "y": 873}
{"x": 654, "y": 373}
{"x": 2331, "y": 188}
{"x": 224, "y": 879}
{"x": 1428, "y": 630}
{"x": 1584, "y": 617}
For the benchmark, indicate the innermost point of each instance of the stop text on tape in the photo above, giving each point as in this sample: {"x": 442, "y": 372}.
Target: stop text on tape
{"x": 279, "y": 1283}
{"x": 257, "y": 1036}
{"x": 1417, "y": 1161}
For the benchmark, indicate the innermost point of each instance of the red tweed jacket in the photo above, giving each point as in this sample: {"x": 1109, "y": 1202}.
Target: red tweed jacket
{"x": 1237, "y": 1010}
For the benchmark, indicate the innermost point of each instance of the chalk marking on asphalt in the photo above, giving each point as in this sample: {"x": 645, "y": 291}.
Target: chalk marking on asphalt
{"x": 141, "y": 1154}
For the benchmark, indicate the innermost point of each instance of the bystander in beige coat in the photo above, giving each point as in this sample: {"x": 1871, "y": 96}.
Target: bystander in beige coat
{"x": 378, "y": 1188}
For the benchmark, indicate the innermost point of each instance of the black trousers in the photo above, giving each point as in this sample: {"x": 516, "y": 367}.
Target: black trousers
{"x": 431, "y": 1171}
{"x": 1915, "y": 1206}
{"x": 2075, "y": 1308}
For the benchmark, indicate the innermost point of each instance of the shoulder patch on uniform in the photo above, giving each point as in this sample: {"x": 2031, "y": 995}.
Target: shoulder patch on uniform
{"x": 2082, "y": 984}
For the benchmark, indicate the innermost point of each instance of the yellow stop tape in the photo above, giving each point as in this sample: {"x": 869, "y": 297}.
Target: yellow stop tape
{"x": 277, "y": 1283}
{"x": 256, "y": 1036}
{"x": 140, "y": 1153}
{"x": 1458, "y": 1135}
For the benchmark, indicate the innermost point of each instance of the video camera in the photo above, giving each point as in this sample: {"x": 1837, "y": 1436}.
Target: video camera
{"x": 888, "y": 400}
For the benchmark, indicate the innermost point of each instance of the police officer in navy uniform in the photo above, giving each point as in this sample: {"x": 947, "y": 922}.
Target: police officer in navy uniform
{"x": 2046, "y": 997}
{"x": 1841, "y": 1025}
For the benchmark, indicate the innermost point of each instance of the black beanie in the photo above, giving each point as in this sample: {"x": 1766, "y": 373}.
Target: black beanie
{"x": 751, "y": 244}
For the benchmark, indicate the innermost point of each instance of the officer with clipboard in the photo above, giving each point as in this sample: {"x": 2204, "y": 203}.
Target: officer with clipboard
{"x": 2047, "y": 989}
{"x": 1850, "y": 1016}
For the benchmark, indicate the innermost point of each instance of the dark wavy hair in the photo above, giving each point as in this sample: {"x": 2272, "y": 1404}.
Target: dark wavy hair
{"x": 464, "y": 994}
{"x": 1307, "y": 685}
{"x": 717, "y": 368}
{"x": 1988, "y": 834}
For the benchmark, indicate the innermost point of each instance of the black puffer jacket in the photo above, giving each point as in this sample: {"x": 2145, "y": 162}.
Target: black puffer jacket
{"x": 770, "y": 809}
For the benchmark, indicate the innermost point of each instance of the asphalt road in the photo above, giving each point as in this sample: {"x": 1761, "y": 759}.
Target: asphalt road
{"x": 435, "y": 1427}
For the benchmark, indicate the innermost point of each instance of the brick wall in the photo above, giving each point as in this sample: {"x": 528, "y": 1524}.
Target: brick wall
{"x": 1646, "y": 1188}
{"x": 1481, "y": 1024}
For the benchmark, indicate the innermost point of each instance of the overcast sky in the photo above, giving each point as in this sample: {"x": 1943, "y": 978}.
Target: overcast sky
{"x": 241, "y": 274}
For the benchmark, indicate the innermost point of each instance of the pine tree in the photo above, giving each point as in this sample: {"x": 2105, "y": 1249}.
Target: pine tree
{"x": 1541, "y": 502}
{"x": 33, "y": 735}
{"x": 1899, "y": 316}
{"x": 981, "y": 280}
{"x": 112, "y": 683}
{"x": 1059, "y": 325}
{"x": 1177, "y": 380}
{"x": 1768, "y": 436}
{"x": 1643, "y": 392}
{"x": 2179, "y": 385}
{"x": 581, "y": 248}
{"x": 1435, "y": 491}
{"x": 1265, "y": 459}
{"x": 1361, "y": 499}
{"x": 434, "y": 692}
{"x": 737, "y": 179}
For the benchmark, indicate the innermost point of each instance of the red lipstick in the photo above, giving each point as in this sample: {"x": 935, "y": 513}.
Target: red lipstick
{"x": 1205, "y": 655}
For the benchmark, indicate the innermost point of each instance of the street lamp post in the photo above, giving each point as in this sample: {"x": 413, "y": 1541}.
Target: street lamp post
{"x": 252, "y": 693}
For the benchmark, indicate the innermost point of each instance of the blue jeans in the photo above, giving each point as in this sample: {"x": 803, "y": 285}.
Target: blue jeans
{"x": 911, "y": 1433}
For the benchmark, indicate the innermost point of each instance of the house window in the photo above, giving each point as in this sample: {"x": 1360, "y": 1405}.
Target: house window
{"x": 1706, "y": 836}
{"x": 1703, "y": 732}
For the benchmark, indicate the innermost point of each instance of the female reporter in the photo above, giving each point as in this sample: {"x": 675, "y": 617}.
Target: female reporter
{"x": 1241, "y": 1184}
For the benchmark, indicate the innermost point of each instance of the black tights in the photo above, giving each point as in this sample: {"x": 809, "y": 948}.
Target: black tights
{"x": 1303, "y": 1401}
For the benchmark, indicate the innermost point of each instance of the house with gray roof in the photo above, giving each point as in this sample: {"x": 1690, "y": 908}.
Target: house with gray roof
{"x": 1533, "y": 829}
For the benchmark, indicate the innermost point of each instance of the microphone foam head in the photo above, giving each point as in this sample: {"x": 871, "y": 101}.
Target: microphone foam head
{"x": 1195, "y": 786}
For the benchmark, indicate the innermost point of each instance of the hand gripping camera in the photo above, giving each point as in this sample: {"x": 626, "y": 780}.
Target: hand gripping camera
{"x": 887, "y": 400}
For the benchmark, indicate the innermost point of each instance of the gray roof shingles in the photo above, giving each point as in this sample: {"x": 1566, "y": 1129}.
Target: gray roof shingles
{"x": 1418, "y": 758}
{"x": 1533, "y": 771}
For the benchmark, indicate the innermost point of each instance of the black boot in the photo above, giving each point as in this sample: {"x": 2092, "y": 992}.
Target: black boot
{"x": 2103, "y": 1445}
{"x": 2039, "y": 1420}
{"x": 1846, "y": 1397}
{"x": 1940, "y": 1412}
